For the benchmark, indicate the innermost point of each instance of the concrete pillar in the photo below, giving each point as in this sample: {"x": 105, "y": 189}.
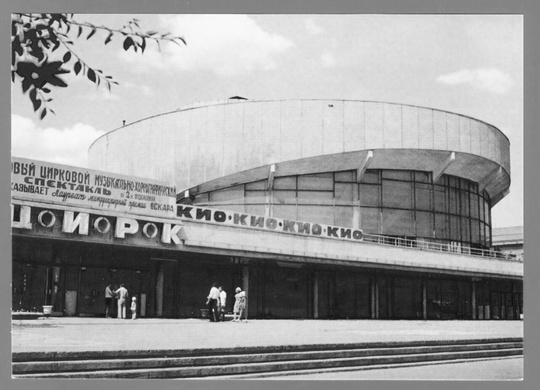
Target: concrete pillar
{"x": 424, "y": 300}
{"x": 473, "y": 300}
{"x": 316, "y": 295}
{"x": 376, "y": 298}
{"x": 245, "y": 285}
{"x": 159, "y": 291}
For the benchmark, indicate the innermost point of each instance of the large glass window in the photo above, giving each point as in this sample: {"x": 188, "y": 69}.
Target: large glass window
{"x": 424, "y": 224}
{"x": 315, "y": 197}
{"x": 439, "y": 198}
{"x": 255, "y": 197}
{"x": 318, "y": 214}
{"x": 344, "y": 193}
{"x": 370, "y": 195}
{"x": 229, "y": 195}
{"x": 323, "y": 182}
{"x": 441, "y": 226}
{"x": 397, "y": 194}
{"x": 397, "y": 222}
{"x": 453, "y": 201}
{"x": 402, "y": 203}
{"x": 284, "y": 197}
{"x": 371, "y": 177}
{"x": 344, "y": 216}
{"x": 370, "y": 220}
{"x": 422, "y": 197}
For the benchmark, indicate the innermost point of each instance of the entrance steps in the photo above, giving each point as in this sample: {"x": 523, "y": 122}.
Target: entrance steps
{"x": 250, "y": 362}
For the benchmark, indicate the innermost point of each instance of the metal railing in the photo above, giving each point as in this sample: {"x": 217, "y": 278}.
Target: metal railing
{"x": 440, "y": 247}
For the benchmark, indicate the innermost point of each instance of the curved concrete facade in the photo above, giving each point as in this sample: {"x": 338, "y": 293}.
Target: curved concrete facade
{"x": 221, "y": 144}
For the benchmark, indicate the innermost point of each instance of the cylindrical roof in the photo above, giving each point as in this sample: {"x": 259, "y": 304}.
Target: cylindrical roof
{"x": 228, "y": 142}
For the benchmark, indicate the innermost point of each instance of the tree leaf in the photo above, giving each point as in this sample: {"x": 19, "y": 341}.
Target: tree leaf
{"x": 91, "y": 75}
{"x": 36, "y": 102}
{"x": 109, "y": 37}
{"x": 33, "y": 94}
{"x": 80, "y": 32}
{"x": 67, "y": 57}
{"x": 128, "y": 42}
{"x": 43, "y": 113}
{"x": 77, "y": 67}
{"x": 25, "y": 85}
{"x": 143, "y": 44}
{"x": 91, "y": 33}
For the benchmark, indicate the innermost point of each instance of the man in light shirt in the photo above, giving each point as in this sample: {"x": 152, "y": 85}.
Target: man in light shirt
{"x": 212, "y": 302}
{"x": 122, "y": 294}
{"x": 222, "y": 302}
{"x": 108, "y": 301}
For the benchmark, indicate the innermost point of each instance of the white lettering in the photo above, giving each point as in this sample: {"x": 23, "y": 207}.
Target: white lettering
{"x": 125, "y": 225}
{"x": 24, "y": 218}
{"x": 172, "y": 234}
{"x": 70, "y": 223}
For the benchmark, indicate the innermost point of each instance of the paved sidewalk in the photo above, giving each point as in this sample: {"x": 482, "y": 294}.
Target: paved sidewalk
{"x": 59, "y": 334}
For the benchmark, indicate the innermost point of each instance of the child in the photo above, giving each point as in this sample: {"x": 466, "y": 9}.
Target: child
{"x": 133, "y": 308}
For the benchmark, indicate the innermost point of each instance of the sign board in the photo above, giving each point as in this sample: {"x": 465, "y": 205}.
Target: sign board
{"x": 54, "y": 183}
{"x": 250, "y": 221}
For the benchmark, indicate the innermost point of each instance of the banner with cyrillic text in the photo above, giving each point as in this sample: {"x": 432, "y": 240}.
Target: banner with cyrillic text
{"x": 44, "y": 181}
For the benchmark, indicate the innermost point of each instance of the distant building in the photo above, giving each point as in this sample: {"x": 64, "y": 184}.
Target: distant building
{"x": 508, "y": 240}
{"x": 316, "y": 208}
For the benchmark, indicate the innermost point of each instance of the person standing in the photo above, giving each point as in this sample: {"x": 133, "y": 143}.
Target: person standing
{"x": 239, "y": 305}
{"x": 108, "y": 301}
{"x": 133, "y": 308}
{"x": 122, "y": 294}
{"x": 222, "y": 303}
{"x": 212, "y": 302}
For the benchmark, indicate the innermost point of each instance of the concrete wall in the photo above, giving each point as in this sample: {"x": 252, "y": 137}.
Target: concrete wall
{"x": 194, "y": 146}
{"x": 315, "y": 249}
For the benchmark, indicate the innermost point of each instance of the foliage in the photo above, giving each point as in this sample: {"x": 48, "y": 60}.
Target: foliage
{"x": 42, "y": 49}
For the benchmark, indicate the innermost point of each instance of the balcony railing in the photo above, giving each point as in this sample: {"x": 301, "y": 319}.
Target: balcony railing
{"x": 439, "y": 247}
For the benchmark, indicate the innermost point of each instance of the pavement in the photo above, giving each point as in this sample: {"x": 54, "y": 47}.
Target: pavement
{"x": 499, "y": 369}
{"x": 76, "y": 334}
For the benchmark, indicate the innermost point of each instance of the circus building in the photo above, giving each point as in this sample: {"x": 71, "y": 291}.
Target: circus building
{"x": 319, "y": 209}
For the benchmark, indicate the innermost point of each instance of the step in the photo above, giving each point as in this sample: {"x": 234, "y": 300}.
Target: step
{"x": 126, "y": 354}
{"x": 246, "y": 368}
{"x": 131, "y": 363}
{"x": 292, "y": 373}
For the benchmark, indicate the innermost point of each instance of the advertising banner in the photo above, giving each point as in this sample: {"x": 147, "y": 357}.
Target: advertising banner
{"x": 74, "y": 186}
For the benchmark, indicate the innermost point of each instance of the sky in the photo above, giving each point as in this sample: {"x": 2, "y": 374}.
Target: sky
{"x": 466, "y": 64}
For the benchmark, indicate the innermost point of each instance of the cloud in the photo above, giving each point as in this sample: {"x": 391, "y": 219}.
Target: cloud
{"x": 328, "y": 60}
{"x": 223, "y": 44}
{"x": 144, "y": 89}
{"x": 67, "y": 146}
{"x": 312, "y": 27}
{"x": 103, "y": 94}
{"x": 486, "y": 79}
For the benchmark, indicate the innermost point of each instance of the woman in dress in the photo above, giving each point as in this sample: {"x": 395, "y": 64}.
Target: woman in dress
{"x": 239, "y": 305}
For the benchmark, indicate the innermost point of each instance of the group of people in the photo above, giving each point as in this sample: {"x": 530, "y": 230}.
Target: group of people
{"x": 217, "y": 301}
{"x": 122, "y": 295}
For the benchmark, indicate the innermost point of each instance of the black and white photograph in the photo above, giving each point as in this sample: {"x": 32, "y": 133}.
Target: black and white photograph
{"x": 267, "y": 197}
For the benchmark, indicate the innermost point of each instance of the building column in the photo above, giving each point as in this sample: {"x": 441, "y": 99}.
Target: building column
{"x": 374, "y": 298}
{"x": 424, "y": 300}
{"x": 245, "y": 284}
{"x": 316, "y": 295}
{"x": 159, "y": 290}
{"x": 473, "y": 299}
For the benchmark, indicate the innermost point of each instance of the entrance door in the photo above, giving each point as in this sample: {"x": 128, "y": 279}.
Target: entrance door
{"x": 92, "y": 291}
{"x": 32, "y": 287}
